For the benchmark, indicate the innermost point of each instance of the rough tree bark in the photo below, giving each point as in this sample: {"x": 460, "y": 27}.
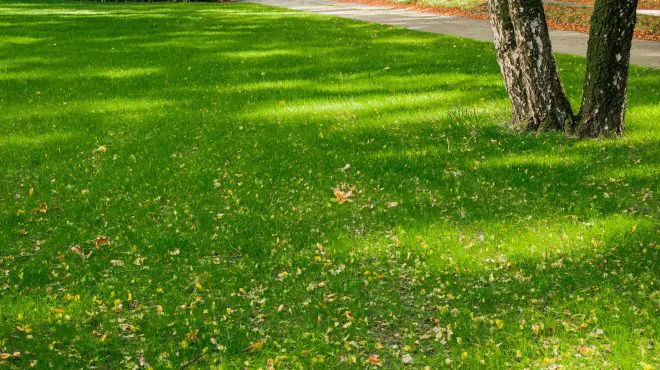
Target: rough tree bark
{"x": 608, "y": 55}
{"x": 508, "y": 58}
{"x": 528, "y": 65}
{"x": 538, "y": 100}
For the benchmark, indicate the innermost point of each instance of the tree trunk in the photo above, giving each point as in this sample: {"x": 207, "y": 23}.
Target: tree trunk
{"x": 550, "y": 108}
{"x": 525, "y": 56}
{"x": 509, "y": 60}
{"x": 608, "y": 56}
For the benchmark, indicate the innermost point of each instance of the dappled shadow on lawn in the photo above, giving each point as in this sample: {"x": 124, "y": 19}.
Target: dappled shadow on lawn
{"x": 206, "y": 141}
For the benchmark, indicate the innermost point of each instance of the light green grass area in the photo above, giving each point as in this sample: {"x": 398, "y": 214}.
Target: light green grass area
{"x": 205, "y": 141}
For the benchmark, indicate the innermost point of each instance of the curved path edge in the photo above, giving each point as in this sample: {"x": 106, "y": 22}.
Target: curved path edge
{"x": 644, "y": 53}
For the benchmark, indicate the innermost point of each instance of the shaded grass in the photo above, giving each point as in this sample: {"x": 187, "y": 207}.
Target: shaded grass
{"x": 205, "y": 141}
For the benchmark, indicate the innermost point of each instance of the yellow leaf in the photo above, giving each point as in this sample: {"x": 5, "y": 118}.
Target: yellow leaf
{"x": 256, "y": 346}
{"x": 192, "y": 335}
{"x": 25, "y": 328}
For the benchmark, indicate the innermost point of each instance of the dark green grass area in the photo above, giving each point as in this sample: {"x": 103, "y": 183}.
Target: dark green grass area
{"x": 205, "y": 141}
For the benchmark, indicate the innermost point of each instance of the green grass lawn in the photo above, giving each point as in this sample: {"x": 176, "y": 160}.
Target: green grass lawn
{"x": 168, "y": 198}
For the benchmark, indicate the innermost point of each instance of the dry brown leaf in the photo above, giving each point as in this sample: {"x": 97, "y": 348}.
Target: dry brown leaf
{"x": 101, "y": 240}
{"x": 6, "y": 356}
{"x": 77, "y": 250}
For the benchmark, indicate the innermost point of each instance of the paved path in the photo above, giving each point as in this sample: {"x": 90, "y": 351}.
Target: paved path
{"x": 646, "y": 53}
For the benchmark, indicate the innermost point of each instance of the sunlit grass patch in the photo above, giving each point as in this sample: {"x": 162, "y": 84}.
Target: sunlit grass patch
{"x": 128, "y": 72}
{"x": 18, "y": 40}
{"x": 34, "y": 141}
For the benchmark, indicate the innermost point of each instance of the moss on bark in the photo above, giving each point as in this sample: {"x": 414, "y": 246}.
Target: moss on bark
{"x": 602, "y": 112}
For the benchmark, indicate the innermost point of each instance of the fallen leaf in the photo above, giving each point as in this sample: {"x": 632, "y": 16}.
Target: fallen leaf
{"x": 77, "y": 250}
{"x": 5, "y": 356}
{"x": 256, "y": 346}
{"x": 585, "y": 351}
{"x": 24, "y": 328}
{"x": 343, "y": 197}
{"x": 101, "y": 149}
{"x": 101, "y": 240}
{"x": 192, "y": 335}
{"x": 375, "y": 360}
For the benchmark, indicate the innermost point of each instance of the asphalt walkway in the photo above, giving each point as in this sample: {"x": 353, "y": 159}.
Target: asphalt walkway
{"x": 645, "y": 53}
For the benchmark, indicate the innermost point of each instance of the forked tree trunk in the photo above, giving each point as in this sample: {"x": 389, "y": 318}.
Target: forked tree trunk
{"x": 608, "y": 56}
{"x": 524, "y": 53}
